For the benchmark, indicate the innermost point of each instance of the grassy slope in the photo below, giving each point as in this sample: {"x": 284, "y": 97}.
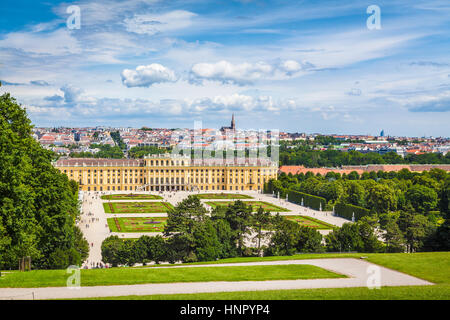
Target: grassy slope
{"x": 434, "y": 267}
{"x": 122, "y": 276}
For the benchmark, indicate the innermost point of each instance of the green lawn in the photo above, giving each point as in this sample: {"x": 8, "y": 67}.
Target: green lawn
{"x": 310, "y": 222}
{"x": 137, "y": 207}
{"x": 134, "y": 224}
{"x": 385, "y": 293}
{"x": 255, "y": 205}
{"x": 122, "y": 276}
{"x": 131, "y": 196}
{"x": 222, "y": 196}
{"x": 431, "y": 266}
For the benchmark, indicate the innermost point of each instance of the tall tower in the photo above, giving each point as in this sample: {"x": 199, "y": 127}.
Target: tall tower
{"x": 233, "y": 125}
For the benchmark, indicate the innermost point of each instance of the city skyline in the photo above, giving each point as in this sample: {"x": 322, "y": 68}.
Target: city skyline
{"x": 297, "y": 67}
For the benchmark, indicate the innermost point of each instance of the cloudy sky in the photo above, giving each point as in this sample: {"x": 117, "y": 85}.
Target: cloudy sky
{"x": 297, "y": 66}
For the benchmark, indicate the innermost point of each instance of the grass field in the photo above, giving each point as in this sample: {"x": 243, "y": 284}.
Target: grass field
{"x": 130, "y": 196}
{"x": 255, "y": 205}
{"x": 122, "y": 276}
{"x": 222, "y": 196}
{"x": 310, "y": 222}
{"x": 133, "y": 224}
{"x": 431, "y": 266}
{"x": 137, "y": 207}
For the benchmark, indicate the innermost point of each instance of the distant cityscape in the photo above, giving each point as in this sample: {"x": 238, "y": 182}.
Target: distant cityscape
{"x": 64, "y": 140}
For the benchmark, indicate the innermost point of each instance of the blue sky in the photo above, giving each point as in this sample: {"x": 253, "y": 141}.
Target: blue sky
{"x": 298, "y": 66}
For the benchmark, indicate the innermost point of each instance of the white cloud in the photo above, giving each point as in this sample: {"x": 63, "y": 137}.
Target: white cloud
{"x": 152, "y": 24}
{"x": 145, "y": 76}
{"x": 58, "y": 42}
{"x": 245, "y": 73}
{"x": 71, "y": 93}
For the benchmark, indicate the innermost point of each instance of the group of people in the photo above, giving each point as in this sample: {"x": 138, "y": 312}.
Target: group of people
{"x": 95, "y": 265}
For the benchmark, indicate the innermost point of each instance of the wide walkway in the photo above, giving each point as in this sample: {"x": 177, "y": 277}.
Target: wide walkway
{"x": 359, "y": 272}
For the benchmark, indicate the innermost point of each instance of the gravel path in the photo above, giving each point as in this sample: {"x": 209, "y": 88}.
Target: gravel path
{"x": 359, "y": 273}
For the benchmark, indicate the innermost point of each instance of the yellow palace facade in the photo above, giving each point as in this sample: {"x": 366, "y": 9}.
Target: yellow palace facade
{"x": 168, "y": 173}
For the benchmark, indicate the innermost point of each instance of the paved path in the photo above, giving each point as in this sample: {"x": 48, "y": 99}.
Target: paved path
{"x": 358, "y": 272}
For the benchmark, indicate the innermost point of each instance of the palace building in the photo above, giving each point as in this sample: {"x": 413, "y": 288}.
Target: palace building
{"x": 167, "y": 172}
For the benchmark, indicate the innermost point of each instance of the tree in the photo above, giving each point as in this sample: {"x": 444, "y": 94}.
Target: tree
{"x": 416, "y": 229}
{"x": 238, "y": 215}
{"x": 285, "y": 238}
{"x": 393, "y": 236}
{"x": 110, "y": 250}
{"x": 422, "y": 198}
{"x": 227, "y": 244}
{"x": 38, "y": 204}
{"x": 346, "y": 238}
{"x": 182, "y": 222}
{"x": 354, "y": 193}
{"x": 207, "y": 245}
{"x": 381, "y": 198}
{"x": 260, "y": 219}
{"x": 309, "y": 240}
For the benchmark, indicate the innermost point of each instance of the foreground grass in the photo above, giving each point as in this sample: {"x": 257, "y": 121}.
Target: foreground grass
{"x": 124, "y": 276}
{"x": 431, "y": 266}
{"x": 439, "y": 292}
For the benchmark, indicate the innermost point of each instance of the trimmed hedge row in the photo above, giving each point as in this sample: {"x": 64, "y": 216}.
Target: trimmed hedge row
{"x": 346, "y": 211}
{"x": 309, "y": 200}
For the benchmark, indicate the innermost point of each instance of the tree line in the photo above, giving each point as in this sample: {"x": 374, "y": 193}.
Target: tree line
{"x": 409, "y": 209}
{"x": 38, "y": 204}
{"x": 192, "y": 235}
{"x": 303, "y": 153}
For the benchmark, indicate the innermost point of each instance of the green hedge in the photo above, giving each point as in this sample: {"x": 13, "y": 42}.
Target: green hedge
{"x": 346, "y": 211}
{"x": 309, "y": 201}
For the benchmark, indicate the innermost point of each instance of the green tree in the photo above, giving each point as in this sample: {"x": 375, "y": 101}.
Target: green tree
{"x": 38, "y": 204}
{"x": 309, "y": 240}
{"x": 284, "y": 241}
{"x": 261, "y": 219}
{"x": 238, "y": 215}
{"x": 422, "y": 198}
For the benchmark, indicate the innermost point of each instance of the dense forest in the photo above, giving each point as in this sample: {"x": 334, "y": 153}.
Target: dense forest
{"x": 410, "y": 207}
{"x": 38, "y": 205}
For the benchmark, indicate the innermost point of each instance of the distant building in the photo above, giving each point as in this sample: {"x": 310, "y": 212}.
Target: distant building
{"x": 167, "y": 172}
{"x": 232, "y": 127}
{"x": 382, "y": 133}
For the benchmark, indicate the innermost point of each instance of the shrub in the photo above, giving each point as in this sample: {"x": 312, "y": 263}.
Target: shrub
{"x": 309, "y": 201}
{"x": 346, "y": 211}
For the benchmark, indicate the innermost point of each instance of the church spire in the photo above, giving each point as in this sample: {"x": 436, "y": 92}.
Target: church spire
{"x": 233, "y": 125}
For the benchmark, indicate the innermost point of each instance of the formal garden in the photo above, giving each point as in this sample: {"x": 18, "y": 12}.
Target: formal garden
{"x": 131, "y": 196}
{"x": 255, "y": 205}
{"x": 137, "y": 224}
{"x": 223, "y": 196}
{"x": 310, "y": 222}
{"x": 137, "y": 207}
